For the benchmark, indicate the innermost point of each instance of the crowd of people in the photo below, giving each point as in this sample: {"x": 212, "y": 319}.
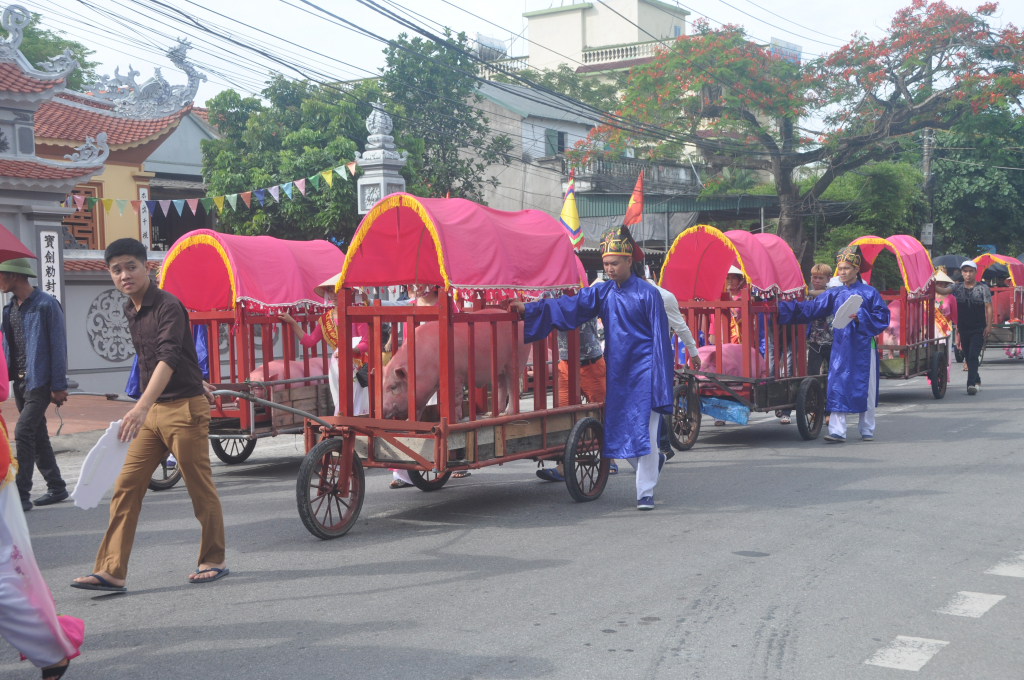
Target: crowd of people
{"x": 631, "y": 371}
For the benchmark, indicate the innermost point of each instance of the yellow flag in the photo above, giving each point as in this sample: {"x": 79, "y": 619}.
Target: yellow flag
{"x": 107, "y": 204}
{"x": 219, "y": 202}
{"x": 329, "y": 176}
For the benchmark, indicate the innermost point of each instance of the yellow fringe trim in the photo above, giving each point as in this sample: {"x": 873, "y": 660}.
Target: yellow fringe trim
{"x": 200, "y": 240}
{"x": 996, "y": 258}
{"x": 12, "y": 469}
{"x": 388, "y": 203}
{"x": 879, "y": 241}
{"x": 712, "y": 231}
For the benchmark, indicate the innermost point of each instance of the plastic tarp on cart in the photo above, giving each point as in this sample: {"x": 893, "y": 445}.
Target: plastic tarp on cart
{"x": 458, "y": 244}
{"x": 209, "y": 271}
{"x": 915, "y": 264}
{"x": 1015, "y": 266}
{"x": 698, "y": 262}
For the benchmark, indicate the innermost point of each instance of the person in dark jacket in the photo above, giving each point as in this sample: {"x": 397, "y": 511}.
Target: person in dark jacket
{"x": 35, "y": 344}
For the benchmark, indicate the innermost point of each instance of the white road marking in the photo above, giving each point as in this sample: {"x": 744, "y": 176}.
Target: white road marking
{"x": 907, "y": 653}
{"x": 970, "y": 604}
{"x": 1011, "y": 567}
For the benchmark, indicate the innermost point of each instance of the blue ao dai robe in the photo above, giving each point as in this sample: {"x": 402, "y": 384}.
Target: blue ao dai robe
{"x": 637, "y": 352}
{"x": 849, "y": 368}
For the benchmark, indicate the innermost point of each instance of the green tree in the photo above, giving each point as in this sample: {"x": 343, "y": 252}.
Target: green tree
{"x": 976, "y": 201}
{"x": 436, "y": 101}
{"x": 300, "y": 130}
{"x": 742, "y": 107}
{"x": 39, "y": 44}
{"x": 565, "y": 80}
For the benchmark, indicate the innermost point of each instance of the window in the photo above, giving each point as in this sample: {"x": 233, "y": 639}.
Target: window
{"x": 84, "y": 223}
{"x": 554, "y": 142}
{"x": 677, "y": 31}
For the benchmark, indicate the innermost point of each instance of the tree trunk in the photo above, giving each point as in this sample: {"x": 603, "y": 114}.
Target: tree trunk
{"x": 791, "y": 230}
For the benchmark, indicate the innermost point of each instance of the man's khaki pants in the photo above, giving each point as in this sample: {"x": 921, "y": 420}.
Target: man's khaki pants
{"x": 180, "y": 426}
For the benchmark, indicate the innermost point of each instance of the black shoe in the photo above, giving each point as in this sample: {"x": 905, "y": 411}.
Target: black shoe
{"x": 26, "y": 506}
{"x": 51, "y": 497}
{"x": 668, "y": 453}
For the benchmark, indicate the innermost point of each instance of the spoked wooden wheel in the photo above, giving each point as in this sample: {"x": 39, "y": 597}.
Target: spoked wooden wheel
{"x": 329, "y": 504}
{"x": 430, "y": 480}
{"x": 233, "y": 451}
{"x": 165, "y": 476}
{"x": 586, "y": 471}
{"x": 810, "y": 408}
{"x": 939, "y": 372}
{"x": 685, "y": 415}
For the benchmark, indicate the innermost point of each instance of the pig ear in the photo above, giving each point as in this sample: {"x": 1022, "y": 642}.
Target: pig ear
{"x": 401, "y": 374}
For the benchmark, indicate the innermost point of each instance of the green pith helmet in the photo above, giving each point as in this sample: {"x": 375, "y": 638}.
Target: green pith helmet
{"x": 19, "y": 265}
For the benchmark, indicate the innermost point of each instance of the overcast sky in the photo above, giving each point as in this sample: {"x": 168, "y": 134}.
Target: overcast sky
{"x": 131, "y": 32}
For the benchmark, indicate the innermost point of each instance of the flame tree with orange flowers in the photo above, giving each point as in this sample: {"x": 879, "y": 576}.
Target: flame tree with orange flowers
{"x": 743, "y": 108}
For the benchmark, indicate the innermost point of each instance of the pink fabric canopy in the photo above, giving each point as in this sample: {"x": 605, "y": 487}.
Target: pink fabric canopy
{"x": 914, "y": 261}
{"x": 458, "y": 244}
{"x": 208, "y": 270}
{"x": 1013, "y": 264}
{"x": 699, "y": 260}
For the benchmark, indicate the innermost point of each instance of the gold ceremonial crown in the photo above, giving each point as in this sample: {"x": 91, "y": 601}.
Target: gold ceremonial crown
{"x": 615, "y": 242}
{"x": 849, "y": 254}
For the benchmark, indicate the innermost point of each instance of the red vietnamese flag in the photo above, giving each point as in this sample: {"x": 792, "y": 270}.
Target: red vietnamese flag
{"x": 635, "y": 209}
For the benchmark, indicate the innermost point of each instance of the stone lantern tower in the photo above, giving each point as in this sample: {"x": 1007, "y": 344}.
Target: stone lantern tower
{"x": 380, "y": 162}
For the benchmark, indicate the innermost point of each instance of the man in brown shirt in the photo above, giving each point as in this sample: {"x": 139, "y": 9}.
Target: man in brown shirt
{"x": 173, "y": 414}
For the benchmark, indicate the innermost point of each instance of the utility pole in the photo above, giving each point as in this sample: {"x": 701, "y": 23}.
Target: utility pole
{"x": 927, "y": 229}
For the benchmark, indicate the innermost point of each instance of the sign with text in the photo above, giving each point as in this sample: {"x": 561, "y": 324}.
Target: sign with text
{"x": 50, "y": 274}
{"x": 786, "y": 50}
{"x": 144, "y": 218}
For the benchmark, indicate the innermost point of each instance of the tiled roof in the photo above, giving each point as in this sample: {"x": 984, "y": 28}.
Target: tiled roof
{"x": 13, "y": 79}
{"x": 613, "y": 65}
{"x": 72, "y": 265}
{"x": 58, "y": 120}
{"x": 34, "y": 170}
{"x": 202, "y": 113}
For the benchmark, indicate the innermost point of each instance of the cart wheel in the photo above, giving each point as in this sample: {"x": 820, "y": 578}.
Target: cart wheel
{"x": 325, "y": 510}
{"x": 428, "y": 481}
{"x": 233, "y": 451}
{"x": 685, "y": 415}
{"x": 938, "y": 374}
{"x": 810, "y": 408}
{"x": 164, "y": 477}
{"x": 586, "y": 470}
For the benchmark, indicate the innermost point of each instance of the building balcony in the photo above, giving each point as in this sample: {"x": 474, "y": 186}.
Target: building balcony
{"x": 491, "y": 68}
{"x": 618, "y": 56}
{"x": 619, "y": 176}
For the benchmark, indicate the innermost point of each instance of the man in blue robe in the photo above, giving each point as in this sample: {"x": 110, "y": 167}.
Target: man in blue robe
{"x": 853, "y": 368}
{"x": 637, "y": 353}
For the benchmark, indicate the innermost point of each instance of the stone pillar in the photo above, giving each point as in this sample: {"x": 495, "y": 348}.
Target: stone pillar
{"x": 380, "y": 162}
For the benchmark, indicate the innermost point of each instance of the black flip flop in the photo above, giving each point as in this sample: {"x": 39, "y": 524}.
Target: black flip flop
{"x": 221, "y": 573}
{"x": 56, "y": 673}
{"x": 103, "y": 585}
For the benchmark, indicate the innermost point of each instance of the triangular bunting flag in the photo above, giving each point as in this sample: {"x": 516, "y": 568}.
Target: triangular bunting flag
{"x": 232, "y": 201}
{"x": 108, "y": 203}
{"x": 90, "y": 202}
{"x": 121, "y": 205}
{"x": 79, "y": 200}
{"x": 246, "y": 198}
{"x": 166, "y": 207}
{"x": 301, "y": 184}
{"x": 287, "y": 186}
{"x": 329, "y": 176}
{"x": 275, "y": 191}
{"x": 259, "y": 196}
{"x": 207, "y": 205}
{"x": 193, "y": 205}
{"x": 341, "y": 172}
{"x": 135, "y": 206}
{"x": 315, "y": 181}
{"x": 351, "y": 168}
{"x": 179, "y": 205}
{"x": 150, "y": 207}
{"x": 219, "y": 202}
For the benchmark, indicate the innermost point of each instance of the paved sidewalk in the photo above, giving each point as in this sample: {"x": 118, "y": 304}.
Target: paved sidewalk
{"x": 80, "y": 414}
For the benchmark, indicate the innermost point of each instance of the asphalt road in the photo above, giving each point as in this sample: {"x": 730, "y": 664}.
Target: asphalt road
{"x": 766, "y": 557}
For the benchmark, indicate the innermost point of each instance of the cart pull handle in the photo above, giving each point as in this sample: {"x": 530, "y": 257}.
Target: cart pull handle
{"x": 263, "y": 402}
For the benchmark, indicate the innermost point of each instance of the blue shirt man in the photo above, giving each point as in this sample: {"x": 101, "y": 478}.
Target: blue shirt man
{"x": 35, "y": 344}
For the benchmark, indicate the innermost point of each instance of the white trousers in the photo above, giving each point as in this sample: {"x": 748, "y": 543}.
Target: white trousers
{"x": 647, "y": 466}
{"x": 837, "y": 421}
{"x": 21, "y": 624}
